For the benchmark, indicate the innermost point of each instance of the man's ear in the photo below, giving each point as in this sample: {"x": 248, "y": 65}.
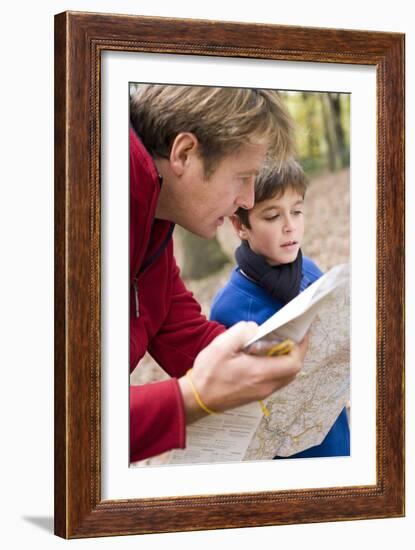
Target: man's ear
{"x": 240, "y": 228}
{"x": 185, "y": 145}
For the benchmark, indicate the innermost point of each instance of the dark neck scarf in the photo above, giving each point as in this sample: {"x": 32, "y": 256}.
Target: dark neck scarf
{"x": 281, "y": 281}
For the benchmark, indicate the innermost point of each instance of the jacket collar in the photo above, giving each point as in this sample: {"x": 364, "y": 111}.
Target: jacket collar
{"x": 147, "y": 235}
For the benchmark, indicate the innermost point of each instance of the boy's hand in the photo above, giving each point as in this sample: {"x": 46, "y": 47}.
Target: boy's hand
{"x": 225, "y": 377}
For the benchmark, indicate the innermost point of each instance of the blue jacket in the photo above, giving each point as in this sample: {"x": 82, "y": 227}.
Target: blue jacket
{"x": 241, "y": 299}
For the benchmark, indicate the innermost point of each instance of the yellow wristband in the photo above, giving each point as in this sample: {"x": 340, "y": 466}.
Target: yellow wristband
{"x": 197, "y": 396}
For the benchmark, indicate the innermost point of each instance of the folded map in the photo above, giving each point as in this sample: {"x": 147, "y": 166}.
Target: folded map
{"x": 301, "y": 413}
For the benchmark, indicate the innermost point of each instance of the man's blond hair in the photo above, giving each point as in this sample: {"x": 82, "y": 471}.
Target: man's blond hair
{"x": 222, "y": 119}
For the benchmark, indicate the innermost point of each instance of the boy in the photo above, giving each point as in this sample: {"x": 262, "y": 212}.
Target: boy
{"x": 271, "y": 269}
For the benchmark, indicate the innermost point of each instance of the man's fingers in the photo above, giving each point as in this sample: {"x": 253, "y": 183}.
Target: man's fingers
{"x": 235, "y": 338}
{"x": 272, "y": 368}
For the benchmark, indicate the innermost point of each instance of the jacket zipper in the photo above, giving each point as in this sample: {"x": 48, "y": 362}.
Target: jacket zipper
{"x": 146, "y": 266}
{"x": 137, "y": 303}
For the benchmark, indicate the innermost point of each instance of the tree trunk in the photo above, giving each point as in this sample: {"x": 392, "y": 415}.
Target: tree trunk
{"x": 197, "y": 257}
{"x": 336, "y": 110}
{"x": 334, "y": 153}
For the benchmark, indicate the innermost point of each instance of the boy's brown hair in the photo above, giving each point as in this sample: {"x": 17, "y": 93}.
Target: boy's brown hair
{"x": 273, "y": 182}
{"x": 222, "y": 119}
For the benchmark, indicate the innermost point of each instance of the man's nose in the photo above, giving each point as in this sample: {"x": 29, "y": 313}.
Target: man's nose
{"x": 246, "y": 199}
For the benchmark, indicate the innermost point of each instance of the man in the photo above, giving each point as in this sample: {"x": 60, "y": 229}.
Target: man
{"x": 194, "y": 155}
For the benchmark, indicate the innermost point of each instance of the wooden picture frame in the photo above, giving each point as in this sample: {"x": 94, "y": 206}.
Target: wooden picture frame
{"x": 79, "y": 40}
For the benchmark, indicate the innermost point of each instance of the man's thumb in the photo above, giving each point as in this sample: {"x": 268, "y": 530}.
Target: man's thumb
{"x": 235, "y": 338}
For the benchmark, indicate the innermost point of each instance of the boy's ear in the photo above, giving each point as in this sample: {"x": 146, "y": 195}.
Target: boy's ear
{"x": 239, "y": 227}
{"x": 185, "y": 145}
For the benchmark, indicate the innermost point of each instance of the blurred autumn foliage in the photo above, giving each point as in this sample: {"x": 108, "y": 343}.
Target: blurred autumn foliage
{"x": 322, "y": 129}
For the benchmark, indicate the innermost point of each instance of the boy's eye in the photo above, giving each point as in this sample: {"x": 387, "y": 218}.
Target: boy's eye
{"x": 272, "y": 218}
{"x": 298, "y": 212}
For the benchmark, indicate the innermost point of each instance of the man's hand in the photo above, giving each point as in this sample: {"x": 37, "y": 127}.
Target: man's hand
{"x": 225, "y": 377}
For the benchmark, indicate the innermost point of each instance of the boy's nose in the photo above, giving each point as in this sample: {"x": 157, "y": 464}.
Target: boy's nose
{"x": 288, "y": 225}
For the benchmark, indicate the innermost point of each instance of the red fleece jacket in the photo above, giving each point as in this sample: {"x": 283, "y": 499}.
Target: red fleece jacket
{"x": 165, "y": 319}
